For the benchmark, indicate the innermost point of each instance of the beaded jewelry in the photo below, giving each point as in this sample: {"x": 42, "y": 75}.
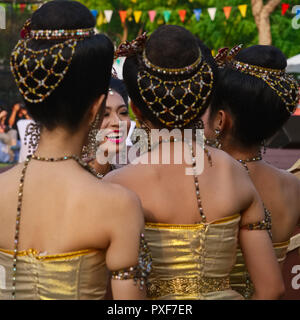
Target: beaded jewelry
{"x": 254, "y": 159}
{"x": 265, "y": 224}
{"x": 38, "y": 72}
{"x": 61, "y": 34}
{"x": 156, "y": 92}
{"x": 20, "y": 201}
{"x": 285, "y": 86}
{"x": 141, "y": 271}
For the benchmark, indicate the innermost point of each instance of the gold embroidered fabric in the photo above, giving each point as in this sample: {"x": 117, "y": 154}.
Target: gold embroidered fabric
{"x": 67, "y": 276}
{"x": 239, "y": 277}
{"x": 192, "y": 261}
{"x": 187, "y": 286}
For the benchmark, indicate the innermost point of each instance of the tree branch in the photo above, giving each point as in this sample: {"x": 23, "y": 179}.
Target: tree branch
{"x": 257, "y": 6}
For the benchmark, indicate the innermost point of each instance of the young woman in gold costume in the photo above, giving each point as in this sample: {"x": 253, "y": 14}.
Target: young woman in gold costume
{"x": 60, "y": 227}
{"x": 192, "y": 222}
{"x": 254, "y": 98}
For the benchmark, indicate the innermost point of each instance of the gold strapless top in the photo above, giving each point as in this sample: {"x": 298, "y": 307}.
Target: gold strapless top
{"x": 192, "y": 261}
{"x": 239, "y": 277}
{"x": 74, "y": 275}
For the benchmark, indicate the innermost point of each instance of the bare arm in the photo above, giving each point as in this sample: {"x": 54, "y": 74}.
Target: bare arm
{"x": 123, "y": 250}
{"x": 259, "y": 255}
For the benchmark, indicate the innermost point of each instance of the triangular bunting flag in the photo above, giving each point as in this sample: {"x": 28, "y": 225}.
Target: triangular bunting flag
{"x": 123, "y": 15}
{"x": 227, "y": 11}
{"x": 137, "y": 16}
{"x": 167, "y": 15}
{"x": 108, "y": 15}
{"x": 152, "y": 14}
{"x": 100, "y": 19}
{"x": 34, "y": 7}
{"x": 284, "y": 8}
{"x": 197, "y": 13}
{"x": 212, "y": 13}
{"x": 22, "y": 7}
{"x": 94, "y": 13}
{"x": 182, "y": 14}
{"x": 243, "y": 9}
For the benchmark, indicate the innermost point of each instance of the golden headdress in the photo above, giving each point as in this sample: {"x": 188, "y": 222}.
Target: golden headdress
{"x": 38, "y": 72}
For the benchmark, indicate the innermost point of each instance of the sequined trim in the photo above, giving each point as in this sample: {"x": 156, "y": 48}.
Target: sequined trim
{"x": 187, "y": 286}
{"x": 142, "y": 270}
{"x": 189, "y": 226}
{"x": 38, "y": 256}
{"x": 261, "y": 225}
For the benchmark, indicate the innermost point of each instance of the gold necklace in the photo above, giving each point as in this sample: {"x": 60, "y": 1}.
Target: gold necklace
{"x": 245, "y": 161}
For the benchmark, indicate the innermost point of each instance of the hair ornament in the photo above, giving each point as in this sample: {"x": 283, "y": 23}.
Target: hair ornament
{"x": 225, "y": 56}
{"x": 25, "y": 31}
{"x": 285, "y": 86}
{"x": 187, "y": 88}
{"x": 38, "y": 72}
{"x": 127, "y": 49}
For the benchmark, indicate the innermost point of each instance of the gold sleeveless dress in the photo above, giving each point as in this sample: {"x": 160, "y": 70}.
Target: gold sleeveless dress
{"x": 66, "y": 276}
{"x": 192, "y": 261}
{"x": 239, "y": 277}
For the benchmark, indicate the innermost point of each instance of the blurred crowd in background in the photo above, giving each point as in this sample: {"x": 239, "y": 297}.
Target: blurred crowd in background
{"x": 9, "y": 134}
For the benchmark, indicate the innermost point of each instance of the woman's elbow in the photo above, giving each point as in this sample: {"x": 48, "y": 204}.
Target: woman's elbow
{"x": 270, "y": 292}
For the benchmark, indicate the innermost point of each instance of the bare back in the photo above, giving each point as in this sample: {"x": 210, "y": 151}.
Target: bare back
{"x": 280, "y": 193}
{"x": 64, "y": 208}
{"x": 168, "y": 195}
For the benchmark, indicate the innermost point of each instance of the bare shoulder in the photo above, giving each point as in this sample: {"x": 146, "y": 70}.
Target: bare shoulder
{"x": 289, "y": 183}
{"x": 124, "y": 203}
{"x": 226, "y": 164}
{"x": 10, "y": 179}
{"x": 130, "y": 175}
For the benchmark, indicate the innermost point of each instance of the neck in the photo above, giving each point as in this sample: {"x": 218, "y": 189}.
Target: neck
{"x": 241, "y": 153}
{"x": 60, "y": 142}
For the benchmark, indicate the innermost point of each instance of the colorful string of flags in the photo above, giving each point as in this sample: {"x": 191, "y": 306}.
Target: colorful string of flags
{"x": 105, "y": 16}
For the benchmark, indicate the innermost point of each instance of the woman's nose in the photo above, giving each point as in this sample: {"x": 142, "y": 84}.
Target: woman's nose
{"x": 114, "y": 119}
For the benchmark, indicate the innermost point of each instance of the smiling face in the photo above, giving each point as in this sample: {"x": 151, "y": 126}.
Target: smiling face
{"x": 116, "y": 111}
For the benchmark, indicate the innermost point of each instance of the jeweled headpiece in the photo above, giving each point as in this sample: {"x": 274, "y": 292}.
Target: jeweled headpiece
{"x": 285, "y": 86}
{"x": 186, "y": 89}
{"x": 39, "y": 72}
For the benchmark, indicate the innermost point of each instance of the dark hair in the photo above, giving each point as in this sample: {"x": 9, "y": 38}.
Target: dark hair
{"x": 169, "y": 46}
{"x": 257, "y": 110}
{"x": 119, "y": 86}
{"x": 89, "y": 72}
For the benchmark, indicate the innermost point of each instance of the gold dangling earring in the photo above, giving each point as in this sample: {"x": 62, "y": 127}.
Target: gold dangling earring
{"x": 218, "y": 144}
{"x": 32, "y": 133}
{"x": 215, "y": 142}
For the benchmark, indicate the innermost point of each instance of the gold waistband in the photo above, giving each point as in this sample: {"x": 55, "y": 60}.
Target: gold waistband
{"x": 187, "y": 286}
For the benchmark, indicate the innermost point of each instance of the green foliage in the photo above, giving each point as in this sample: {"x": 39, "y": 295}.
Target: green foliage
{"x": 216, "y": 34}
